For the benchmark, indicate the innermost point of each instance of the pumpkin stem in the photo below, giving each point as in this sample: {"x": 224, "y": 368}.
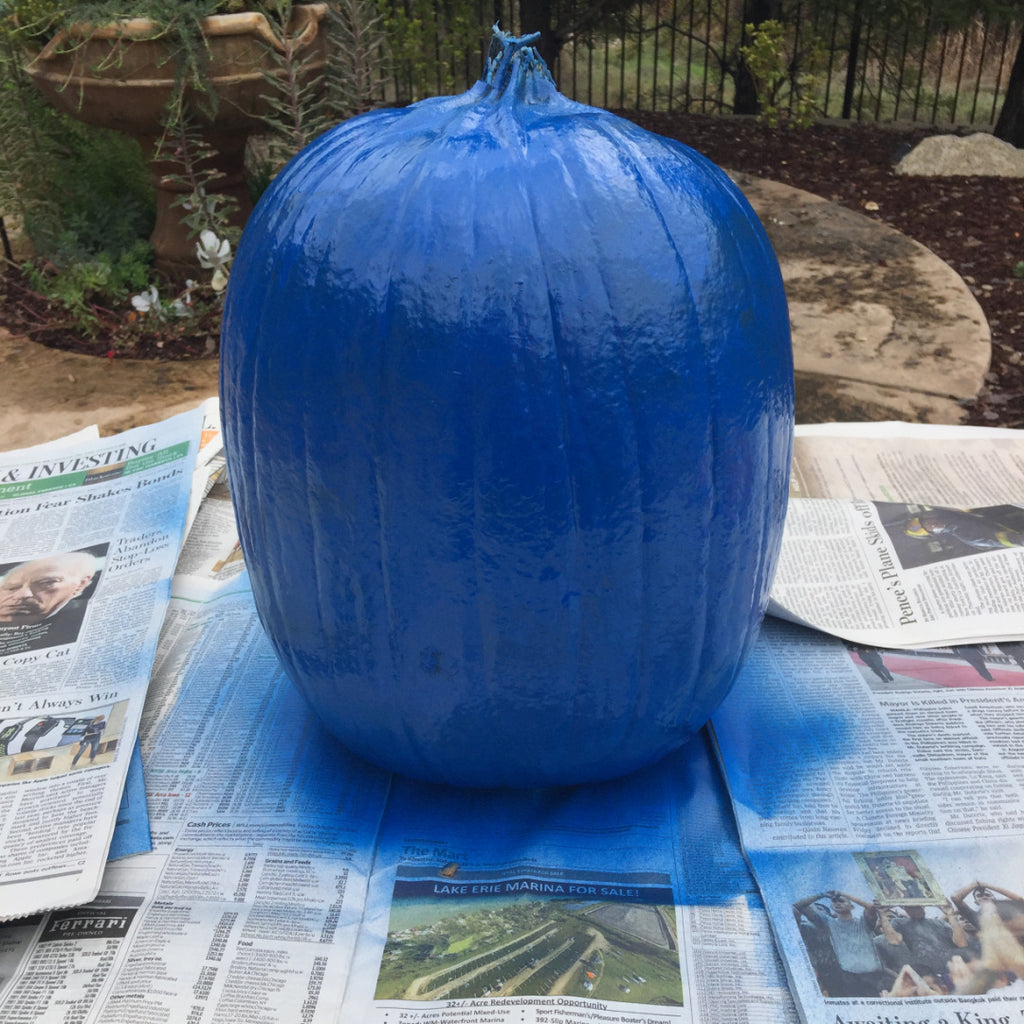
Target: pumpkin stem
{"x": 514, "y": 66}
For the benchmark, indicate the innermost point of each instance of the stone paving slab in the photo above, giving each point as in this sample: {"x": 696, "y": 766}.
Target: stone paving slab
{"x": 882, "y": 329}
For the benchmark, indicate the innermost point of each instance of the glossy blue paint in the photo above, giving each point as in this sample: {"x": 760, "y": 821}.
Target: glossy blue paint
{"x": 507, "y": 396}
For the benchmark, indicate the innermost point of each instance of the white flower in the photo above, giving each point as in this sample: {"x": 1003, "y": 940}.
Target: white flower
{"x": 214, "y": 254}
{"x": 212, "y": 251}
{"x": 147, "y": 301}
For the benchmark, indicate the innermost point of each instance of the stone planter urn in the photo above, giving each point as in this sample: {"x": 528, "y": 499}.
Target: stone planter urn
{"x": 121, "y": 76}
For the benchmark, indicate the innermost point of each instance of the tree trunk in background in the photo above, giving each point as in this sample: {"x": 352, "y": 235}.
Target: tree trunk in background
{"x": 746, "y": 100}
{"x": 852, "y": 56}
{"x": 1010, "y": 125}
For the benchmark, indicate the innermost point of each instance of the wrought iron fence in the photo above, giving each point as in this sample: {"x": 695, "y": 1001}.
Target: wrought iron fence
{"x": 686, "y": 56}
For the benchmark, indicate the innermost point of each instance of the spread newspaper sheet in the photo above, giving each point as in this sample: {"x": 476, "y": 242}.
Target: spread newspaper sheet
{"x": 621, "y": 903}
{"x": 878, "y": 791}
{"x": 90, "y": 530}
{"x": 880, "y": 802}
{"x": 905, "y": 535}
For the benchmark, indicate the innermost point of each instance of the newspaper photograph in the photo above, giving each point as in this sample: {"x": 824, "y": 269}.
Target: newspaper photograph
{"x": 880, "y": 802}
{"x": 622, "y": 902}
{"x": 903, "y": 535}
{"x": 90, "y": 530}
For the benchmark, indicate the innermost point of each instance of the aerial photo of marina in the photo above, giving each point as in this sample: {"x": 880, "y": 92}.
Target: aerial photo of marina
{"x": 516, "y": 945}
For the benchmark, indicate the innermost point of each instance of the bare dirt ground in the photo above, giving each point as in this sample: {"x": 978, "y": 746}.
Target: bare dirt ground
{"x": 48, "y": 393}
{"x": 974, "y": 224}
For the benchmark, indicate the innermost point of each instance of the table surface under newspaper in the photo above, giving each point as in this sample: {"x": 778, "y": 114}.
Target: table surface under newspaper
{"x": 288, "y": 882}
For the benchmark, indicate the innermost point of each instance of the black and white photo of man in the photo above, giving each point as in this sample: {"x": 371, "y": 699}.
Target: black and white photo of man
{"x": 43, "y": 600}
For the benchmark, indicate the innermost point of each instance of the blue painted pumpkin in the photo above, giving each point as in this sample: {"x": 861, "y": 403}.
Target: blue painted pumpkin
{"x": 507, "y": 399}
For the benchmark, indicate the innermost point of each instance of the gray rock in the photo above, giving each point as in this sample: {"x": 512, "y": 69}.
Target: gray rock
{"x": 980, "y": 153}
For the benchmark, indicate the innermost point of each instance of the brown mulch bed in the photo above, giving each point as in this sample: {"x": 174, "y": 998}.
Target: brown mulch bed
{"x": 119, "y": 333}
{"x": 974, "y": 224}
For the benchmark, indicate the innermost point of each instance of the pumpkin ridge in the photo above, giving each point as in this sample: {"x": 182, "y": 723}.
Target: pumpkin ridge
{"x": 267, "y": 473}
{"x": 639, "y": 559}
{"x": 484, "y": 603}
{"x": 576, "y": 622}
{"x": 733, "y": 203}
{"x": 704, "y": 637}
{"x": 586, "y": 688}
{"x": 257, "y": 477}
{"x": 419, "y": 170}
{"x": 640, "y": 166}
{"x": 771, "y": 532}
{"x": 320, "y": 550}
{"x": 378, "y": 436}
{"x": 718, "y": 510}
{"x": 324, "y": 550}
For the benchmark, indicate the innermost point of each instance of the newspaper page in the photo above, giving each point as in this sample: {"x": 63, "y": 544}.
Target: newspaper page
{"x": 213, "y": 555}
{"x": 621, "y": 903}
{"x": 210, "y": 461}
{"x": 880, "y": 801}
{"x": 263, "y": 829}
{"x": 938, "y": 464}
{"x": 89, "y": 535}
{"x": 131, "y": 829}
{"x": 905, "y": 535}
